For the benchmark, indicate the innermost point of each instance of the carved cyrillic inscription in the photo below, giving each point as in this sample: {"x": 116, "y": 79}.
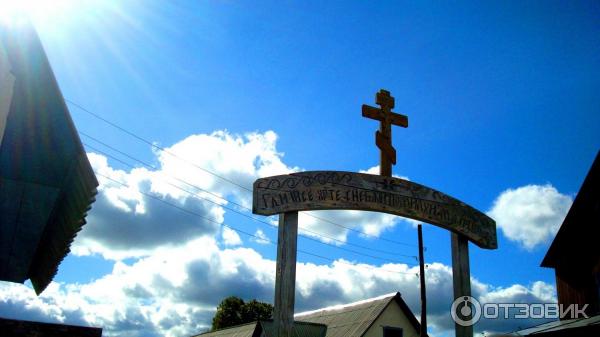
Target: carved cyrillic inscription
{"x": 319, "y": 190}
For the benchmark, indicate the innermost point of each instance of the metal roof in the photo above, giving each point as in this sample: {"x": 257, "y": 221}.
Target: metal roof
{"x": 348, "y": 320}
{"x": 245, "y": 330}
{"x": 354, "y": 319}
{"x": 19, "y": 328}
{"x": 568, "y": 327}
{"x": 46, "y": 182}
{"x": 266, "y": 329}
{"x": 299, "y": 329}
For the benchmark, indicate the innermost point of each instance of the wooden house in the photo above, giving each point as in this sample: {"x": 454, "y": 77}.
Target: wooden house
{"x": 575, "y": 257}
{"x": 384, "y": 316}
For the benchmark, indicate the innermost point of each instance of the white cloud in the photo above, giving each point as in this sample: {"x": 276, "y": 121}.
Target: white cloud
{"x": 181, "y": 273}
{"x": 182, "y": 180}
{"x": 335, "y": 224}
{"x": 375, "y": 170}
{"x": 127, "y": 220}
{"x": 260, "y": 237}
{"x": 240, "y": 159}
{"x": 530, "y": 215}
{"x": 174, "y": 292}
{"x": 230, "y": 237}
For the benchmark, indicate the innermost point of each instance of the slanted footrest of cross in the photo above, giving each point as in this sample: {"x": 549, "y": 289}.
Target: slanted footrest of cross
{"x": 385, "y": 145}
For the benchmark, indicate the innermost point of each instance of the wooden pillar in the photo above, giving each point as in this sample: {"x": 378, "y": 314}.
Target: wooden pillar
{"x": 461, "y": 276}
{"x": 423, "y": 331}
{"x": 285, "y": 275}
{"x": 385, "y": 166}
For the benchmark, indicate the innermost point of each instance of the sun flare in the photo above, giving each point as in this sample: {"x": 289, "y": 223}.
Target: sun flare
{"x": 16, "y": 11}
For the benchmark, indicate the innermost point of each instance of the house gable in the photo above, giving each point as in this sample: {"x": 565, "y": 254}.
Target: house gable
{"x": 392, "y": 316}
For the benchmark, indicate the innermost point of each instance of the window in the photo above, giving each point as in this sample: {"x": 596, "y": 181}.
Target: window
{"x": 390, "y": 331}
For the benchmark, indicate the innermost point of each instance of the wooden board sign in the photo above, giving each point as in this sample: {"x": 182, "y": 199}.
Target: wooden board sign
{"x": 323, "y": 190}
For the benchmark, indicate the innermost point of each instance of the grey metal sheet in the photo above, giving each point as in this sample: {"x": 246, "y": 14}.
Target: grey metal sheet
{"x": 299, "y": 329}
{"x": 40, "y": 150}
{"x": 347, "y": 321}
{"x": 24, "y": 212}
{"x": 246, "y": 330}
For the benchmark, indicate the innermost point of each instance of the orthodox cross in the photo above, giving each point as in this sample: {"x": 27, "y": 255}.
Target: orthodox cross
{"x": 383, "y": 137}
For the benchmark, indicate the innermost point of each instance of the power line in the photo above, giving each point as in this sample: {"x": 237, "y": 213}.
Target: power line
{"x": 153, "y": 145}
{"x": 183, "y": 209}
{"x": 214, "y": 194}
{"x": 361, "y": 232}
{"x": 160, "y": 148}
{"x": 248, "y": 216}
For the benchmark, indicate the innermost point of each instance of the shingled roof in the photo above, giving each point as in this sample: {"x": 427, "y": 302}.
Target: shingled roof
{"x": 46, "y": 182}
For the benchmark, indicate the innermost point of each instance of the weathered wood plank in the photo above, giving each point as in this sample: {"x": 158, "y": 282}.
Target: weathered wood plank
{"x": 321, "y": 190}
{"x": 285, "y": 274}
{"x": 423, "y": 326}
{"x": 383, "y": 137}
{"x": 372, "y": 112}
{"x": 387, "y": 150}
{"x": 400, "y": 120}
{"x": 461, "y": 277}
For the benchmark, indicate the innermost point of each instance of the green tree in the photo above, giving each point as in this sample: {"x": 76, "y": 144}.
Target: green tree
{"x": 234, "y": 311}
{"x": 255, "y": 310}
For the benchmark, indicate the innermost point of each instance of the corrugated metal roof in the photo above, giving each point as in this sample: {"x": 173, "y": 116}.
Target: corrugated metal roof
{"x": 46, "y": 182}
{"x": 348, "y": 320}
{"x": 351, "y": 320}
{"x": 14, "y": 327}
{"x": 266, "y": 329}
{"x": 299, "y": 329}
{"x": 245, "y": 330}
{"x": 551, "y": 328}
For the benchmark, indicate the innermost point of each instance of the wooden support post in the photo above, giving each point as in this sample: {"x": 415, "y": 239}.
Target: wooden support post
{"x": 461, "y": 276}
{"x": 285, "y": 276}
{"x": 385, "y": 168}
{"x": 423, "y": 331}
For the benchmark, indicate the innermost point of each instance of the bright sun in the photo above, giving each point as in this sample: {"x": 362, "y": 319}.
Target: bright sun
{"x": 14, "y": 11}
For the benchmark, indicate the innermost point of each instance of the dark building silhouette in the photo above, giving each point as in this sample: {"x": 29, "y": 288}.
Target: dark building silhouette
{"x": 575, "y": 251}
{"x": 46, "y": 182}
{"x": 575, "y": 256}
{"x": 18, "y": 328}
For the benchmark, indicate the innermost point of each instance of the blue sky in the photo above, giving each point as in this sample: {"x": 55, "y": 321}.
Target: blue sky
{"x": 502, "y": 99}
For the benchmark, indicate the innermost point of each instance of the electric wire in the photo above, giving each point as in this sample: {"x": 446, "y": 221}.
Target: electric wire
{"x": 214, "y": 194}
{"x": 153, "y": 145}
{"x": 183, "y": 209}
{"x": 256, "y": 219}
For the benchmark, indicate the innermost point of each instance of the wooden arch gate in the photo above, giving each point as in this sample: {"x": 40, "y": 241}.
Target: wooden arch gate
{"x": 288, "y": 194}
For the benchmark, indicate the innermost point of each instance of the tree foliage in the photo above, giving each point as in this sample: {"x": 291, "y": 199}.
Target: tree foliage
{"x": 234, "y": 311}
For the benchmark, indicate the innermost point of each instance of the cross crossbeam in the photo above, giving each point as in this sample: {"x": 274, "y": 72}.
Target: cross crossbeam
{"x": 383, "y": 137}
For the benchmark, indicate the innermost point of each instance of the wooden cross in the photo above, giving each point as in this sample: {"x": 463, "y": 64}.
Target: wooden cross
{"x": 383, "y": 137}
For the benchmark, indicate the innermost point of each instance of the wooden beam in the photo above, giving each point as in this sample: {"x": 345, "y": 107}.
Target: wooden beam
{"x": 371, "y": 112}
{"x": 461, "y": 276}
{"x": 320, "y": 190}
{"x": 398, "y": 119}
{"x": 285, "y": 276}
{"x": 423, "y": 331}
{"x": 387, "y": 150}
